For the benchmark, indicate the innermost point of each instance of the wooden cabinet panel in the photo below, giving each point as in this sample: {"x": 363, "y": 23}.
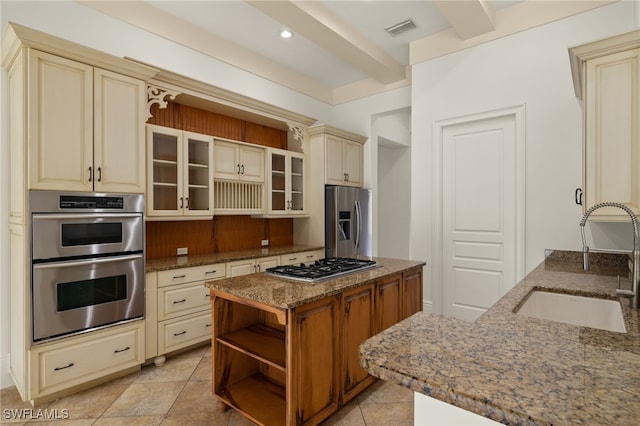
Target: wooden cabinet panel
{"x": 389, "y": 301}
{"x": 358, "y": 324}
{"x": 312, "y": 361}
{"x": 412, "y": 293}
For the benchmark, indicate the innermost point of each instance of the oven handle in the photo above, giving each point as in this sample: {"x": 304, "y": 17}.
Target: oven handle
{"x": 86, "y": 216}
{"x": 92, "y": 261}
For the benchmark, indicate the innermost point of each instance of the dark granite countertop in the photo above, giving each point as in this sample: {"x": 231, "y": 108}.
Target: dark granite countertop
{"x": 176, "y": 262}
{"x": 520, "y": 370}
{"x": 284, "y": 294}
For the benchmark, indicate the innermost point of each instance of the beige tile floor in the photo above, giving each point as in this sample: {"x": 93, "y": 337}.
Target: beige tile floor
{"x": 179, "y": 393}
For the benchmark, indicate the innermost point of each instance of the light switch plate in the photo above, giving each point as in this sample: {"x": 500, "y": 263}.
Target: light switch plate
{"x": 265, "y": 243}
{"x": 182, "y": 251}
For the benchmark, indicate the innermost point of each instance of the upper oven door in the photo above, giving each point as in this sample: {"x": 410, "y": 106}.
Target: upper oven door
{"x": 76, "y": 234}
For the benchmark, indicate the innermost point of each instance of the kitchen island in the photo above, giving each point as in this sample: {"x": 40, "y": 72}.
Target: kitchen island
{"x": 520, "y": 370}
{"x": 285, "y": 352}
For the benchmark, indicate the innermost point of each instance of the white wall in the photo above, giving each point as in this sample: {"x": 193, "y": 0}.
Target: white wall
{"x": 530, "y": 68}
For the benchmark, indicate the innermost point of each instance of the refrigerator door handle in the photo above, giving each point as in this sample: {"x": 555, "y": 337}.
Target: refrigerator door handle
{"x": 358, "y": 223}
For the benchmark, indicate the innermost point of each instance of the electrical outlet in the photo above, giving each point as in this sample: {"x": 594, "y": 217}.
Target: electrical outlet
{"x": 182, "y": 251}
{"x": 265, "y": 243}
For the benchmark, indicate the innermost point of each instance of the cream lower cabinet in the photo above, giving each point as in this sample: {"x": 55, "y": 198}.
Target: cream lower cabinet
{"x": 76, "y": 361}
{"x": 608, "y": 81}
{"x": 301, "y": 257}
{"x": 85, "y": 127}
{"x": 250, "y": 266}
{"x": 178, "y": 310}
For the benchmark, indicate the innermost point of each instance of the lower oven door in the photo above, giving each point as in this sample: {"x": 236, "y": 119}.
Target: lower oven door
{"x": 77, "y": 295}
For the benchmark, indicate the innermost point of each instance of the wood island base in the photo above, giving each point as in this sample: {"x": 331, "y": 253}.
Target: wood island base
{"x": 299, "y": 365}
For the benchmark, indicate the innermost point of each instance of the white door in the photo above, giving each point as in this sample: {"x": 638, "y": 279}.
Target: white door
{"x": 479, "y": 217}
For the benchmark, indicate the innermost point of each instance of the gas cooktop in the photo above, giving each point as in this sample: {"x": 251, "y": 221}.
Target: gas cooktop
{"x": 322, "y": 269}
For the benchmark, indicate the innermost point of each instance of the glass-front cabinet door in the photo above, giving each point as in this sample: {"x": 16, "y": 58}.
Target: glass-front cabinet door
{"x": 198, "y": 175}
{"x": 180, "y": 180}
{"x": 164, "y": 155}
{"x": 296, "y": 197}
{"x": 286, "y": 182}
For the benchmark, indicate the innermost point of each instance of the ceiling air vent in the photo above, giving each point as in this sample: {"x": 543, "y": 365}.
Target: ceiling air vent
{"x": 400, "y": 27}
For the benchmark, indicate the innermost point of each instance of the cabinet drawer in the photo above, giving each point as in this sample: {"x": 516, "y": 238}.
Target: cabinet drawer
{"x": 182, "y": 299}
{"x": 187, "y": 275}
{"x": 65, "y": 365}
{"x": 301, "y": 257}
{"x": 184, "y": 331}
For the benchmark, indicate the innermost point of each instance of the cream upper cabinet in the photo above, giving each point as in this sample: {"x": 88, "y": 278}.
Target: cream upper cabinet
{"x": 86, "y": 127}
{"x": 236, "y": 161}
{"x": 180, "y": 182}
{"x": 340, "y": 153}
{"x": 610, "y": 89}
{"x": 286, "y": 182}
{"x": 343, "y": 162}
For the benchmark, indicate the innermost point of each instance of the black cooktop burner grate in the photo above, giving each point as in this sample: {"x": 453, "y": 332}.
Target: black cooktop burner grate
{"x": 321, "y": 269}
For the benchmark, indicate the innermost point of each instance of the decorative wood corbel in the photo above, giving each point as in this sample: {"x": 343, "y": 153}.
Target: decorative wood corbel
{"x": 157, "y": 95}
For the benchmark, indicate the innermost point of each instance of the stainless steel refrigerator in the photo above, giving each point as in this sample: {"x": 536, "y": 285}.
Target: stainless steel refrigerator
{"x": 348, "y": 227}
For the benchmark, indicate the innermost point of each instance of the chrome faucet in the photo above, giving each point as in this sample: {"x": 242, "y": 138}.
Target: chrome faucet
{"x": 634, "y": 293}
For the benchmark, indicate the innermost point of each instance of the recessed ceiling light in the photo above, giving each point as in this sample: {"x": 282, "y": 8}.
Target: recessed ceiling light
{"x": 286, "y": 34}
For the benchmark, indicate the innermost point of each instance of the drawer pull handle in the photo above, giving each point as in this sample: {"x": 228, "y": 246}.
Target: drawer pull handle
{"x": 293, "y": 258}
{"x": 122, "y": 350}
{"x": 211, "y": 272}
{"x": 175, "y": 277}
{"x": 62, "y": 368}
{"x": 175, "y": 302}
{"x": 309, "y": 256}
{"x": 180, "y": 334}
{"x": 207, "y": 325}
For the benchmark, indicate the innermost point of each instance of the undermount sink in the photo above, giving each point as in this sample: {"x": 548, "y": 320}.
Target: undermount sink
{"x": 584, "y": 311}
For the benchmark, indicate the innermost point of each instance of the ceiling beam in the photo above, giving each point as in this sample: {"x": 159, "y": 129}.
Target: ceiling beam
{"x": 317, "y": 24}
{"x": 468, "y": 18}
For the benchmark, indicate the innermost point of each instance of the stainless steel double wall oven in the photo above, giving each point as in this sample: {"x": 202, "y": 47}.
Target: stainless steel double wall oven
{"x": 87, "y": 261}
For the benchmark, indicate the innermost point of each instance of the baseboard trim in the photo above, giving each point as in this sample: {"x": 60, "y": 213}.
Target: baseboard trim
{"x": 5, "y": 376}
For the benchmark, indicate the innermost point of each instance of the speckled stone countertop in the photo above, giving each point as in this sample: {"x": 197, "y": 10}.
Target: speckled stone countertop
{"x": 286, "y": 294}
{"x": 520, "y": 370}
{"x": 169, "y": 263}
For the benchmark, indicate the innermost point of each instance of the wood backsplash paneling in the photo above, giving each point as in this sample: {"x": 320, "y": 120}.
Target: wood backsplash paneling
{"x": 222, "y": 233}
